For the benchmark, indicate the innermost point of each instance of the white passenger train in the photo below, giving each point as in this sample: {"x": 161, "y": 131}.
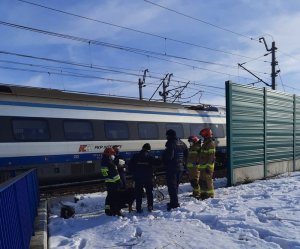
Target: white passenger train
{"x": 63, "y": 134}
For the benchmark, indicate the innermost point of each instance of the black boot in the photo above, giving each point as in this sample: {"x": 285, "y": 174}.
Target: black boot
{"x": 171, "y": 206}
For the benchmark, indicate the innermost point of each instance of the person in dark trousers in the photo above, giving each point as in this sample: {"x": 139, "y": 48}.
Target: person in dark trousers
{"x": 112, "y": 181}
{"x": 141, "y": 168}
{"x": 174, "y": 158}
{"x": 122, "y": 167}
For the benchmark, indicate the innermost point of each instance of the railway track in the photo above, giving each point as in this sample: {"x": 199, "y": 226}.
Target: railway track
{"x": 85, "y": 187}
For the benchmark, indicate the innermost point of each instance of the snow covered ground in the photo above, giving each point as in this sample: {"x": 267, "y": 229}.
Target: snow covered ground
{"x": 262, "y": 214}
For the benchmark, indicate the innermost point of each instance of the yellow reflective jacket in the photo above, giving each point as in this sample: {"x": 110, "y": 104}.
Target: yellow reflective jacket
{"x": 193, "y": 156}
{"x": 208, "y": 152}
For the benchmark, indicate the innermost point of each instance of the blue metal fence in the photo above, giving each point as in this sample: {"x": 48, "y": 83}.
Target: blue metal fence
{"x": 19, "y": 199}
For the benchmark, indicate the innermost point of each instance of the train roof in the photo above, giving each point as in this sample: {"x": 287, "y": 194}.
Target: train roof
{"x": 46, "y": 93}
{"x": 27, "y": 91}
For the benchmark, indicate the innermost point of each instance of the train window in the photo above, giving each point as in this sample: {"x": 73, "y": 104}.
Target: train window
{"x": 218, "y": 130}
{"x": 78, "y": 130}
{"x": 196, "y": 128}
{"x": 116, "y": 130}
{"x": 176, "y": 127}
{"x": 148, "y": 131}
{"x": 26, "y": 129}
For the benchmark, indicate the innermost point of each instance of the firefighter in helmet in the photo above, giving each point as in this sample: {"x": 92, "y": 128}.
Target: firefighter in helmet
{"x": 112, "y": 181}
{"x": 193, "y": 164}
{"x": 207, "y": 164}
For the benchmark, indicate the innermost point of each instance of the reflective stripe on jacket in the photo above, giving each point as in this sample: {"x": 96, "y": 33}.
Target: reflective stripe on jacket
{"x": 109, "y": 171}
{"x": 210, "y": 166}
{"x": 114, "y": 179}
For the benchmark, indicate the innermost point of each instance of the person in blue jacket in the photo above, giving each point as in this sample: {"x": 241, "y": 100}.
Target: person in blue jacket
{"x": 175, "y": 159}
{"x": 141, "y": 168}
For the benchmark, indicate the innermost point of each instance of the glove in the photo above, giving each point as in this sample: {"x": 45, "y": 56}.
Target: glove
{"x": 121, "y": 162}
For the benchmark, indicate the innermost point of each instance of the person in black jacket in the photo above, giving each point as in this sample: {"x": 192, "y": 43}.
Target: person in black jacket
{"x": 112, "y": 181}
{"x": 174, "y": 158}
{"x": 141, "y": 168}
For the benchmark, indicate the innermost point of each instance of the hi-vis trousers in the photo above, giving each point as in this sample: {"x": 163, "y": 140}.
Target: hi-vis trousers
{"x": 194, "y": 174}
{"x": 206, "y": 181}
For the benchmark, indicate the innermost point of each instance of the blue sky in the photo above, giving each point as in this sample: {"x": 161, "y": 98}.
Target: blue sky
{"x": 200, "y": 42}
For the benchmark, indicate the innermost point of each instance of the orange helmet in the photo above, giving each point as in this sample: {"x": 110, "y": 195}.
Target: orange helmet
{"x": 193, "y": 139}
{"x": 109, "y": 151}
{"x": 206, "y": 132}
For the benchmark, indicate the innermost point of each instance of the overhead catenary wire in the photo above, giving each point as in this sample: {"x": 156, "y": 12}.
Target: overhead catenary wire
{"x": 188, "y": 65}
{"x": 288, "y": 55}
{"x": 69, "y": 74}
{"x": 79, "y": 76}
{"x": 79, "y": 64}
{"x": 89, "y": 41}
{"x": 66, "y": 73}
{"x": 133, "y": 50}
{"x": 153, "y": 57}
{"x": 134, "y": 30}
{"x": 160, "y": 36}
{"x": 196, "y": 67}
{"x": 110, "y": 45}
{"x": 112, "y": 69}
{"x": 84, "y": 65}
{"x": 189, "y": 97}
{"x": 59, "y": 69}
{"x": 97, "y": 67}
{"x": 254, "y": 59}
{"x": 202, "y": 21}
{"x": 204, "y": 87}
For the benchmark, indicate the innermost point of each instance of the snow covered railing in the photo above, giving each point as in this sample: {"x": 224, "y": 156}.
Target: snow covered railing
{"x": 19, "y": 199}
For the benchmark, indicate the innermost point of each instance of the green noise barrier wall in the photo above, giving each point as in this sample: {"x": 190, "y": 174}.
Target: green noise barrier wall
{"x": 263, "y": 133}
